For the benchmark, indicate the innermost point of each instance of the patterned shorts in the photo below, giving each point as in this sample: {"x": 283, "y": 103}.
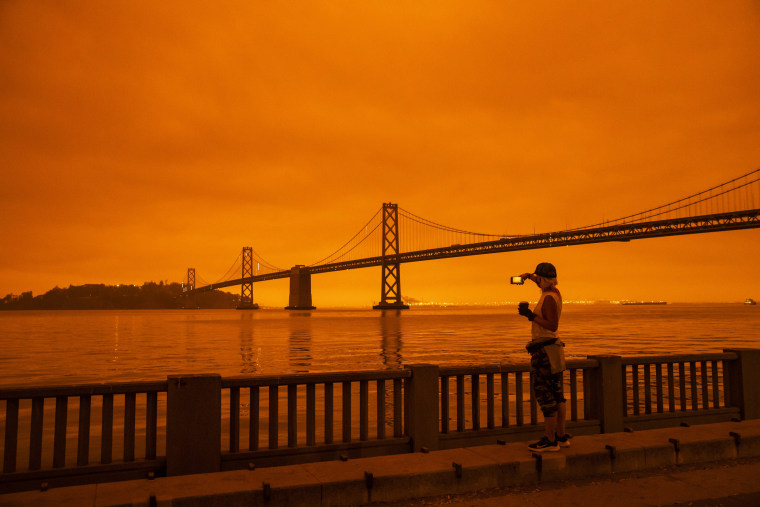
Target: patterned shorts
{"x": 548, "y": 388}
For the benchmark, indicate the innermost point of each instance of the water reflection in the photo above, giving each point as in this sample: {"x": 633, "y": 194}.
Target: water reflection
{"x": 299, "y": 341}
{"x": 189, "y": 330}
{"x": 249, "y": 353}
{"x": 390, "y": 331}
{"x": 51, "y": 347}
{"x": 115, "y": 340}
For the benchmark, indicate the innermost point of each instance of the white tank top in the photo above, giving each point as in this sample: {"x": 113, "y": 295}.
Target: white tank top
{"x": 540, "y": 333}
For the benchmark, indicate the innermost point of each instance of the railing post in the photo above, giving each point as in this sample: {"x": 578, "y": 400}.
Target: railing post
{"x": 193, "y": 424}
{"x": 604, "y": 392}
{"x": 421, "y": 406}
{"x": 742, "y": 379}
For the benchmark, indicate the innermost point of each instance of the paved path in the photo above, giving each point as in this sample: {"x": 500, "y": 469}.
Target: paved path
{"x": 726, "y": 483}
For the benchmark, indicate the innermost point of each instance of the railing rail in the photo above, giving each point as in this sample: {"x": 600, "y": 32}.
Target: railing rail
{"x": 313, "y": 378}
{"x": 676, "y": 358}
{"x": 29, "y": 392}
{"x": 132, "y": 429}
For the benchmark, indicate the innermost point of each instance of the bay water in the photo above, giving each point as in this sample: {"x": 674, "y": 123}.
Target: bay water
{"x": 71, "y": 347}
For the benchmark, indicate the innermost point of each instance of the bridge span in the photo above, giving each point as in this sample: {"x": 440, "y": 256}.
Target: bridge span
{"x": 729, "y": 206}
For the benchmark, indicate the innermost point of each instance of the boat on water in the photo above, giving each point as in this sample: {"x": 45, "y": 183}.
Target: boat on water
{"x": 643, "y": 302}
{"x": 750, "y": 301}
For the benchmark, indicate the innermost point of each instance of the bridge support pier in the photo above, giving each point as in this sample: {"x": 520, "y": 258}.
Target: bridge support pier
{"x": 390, "y": 284}
{"x": 300, "y": 289}
{"x": 246, "y": 289}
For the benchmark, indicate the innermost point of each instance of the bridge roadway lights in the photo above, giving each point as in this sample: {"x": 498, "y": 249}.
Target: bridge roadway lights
{"x": 300, "y": 289}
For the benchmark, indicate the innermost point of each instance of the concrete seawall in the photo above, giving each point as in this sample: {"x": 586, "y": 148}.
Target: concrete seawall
{"x": 408, "y": 476}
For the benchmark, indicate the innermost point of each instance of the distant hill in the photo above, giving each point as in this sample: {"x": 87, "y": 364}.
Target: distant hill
{"x": 150, "y": 295}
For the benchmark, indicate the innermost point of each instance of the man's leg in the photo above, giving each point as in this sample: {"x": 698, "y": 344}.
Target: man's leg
{"x": 547, "y": 401}
{"x": 550, "y": 426}
{"x": 544, "y": 391}
{"x": 560, "y": 420}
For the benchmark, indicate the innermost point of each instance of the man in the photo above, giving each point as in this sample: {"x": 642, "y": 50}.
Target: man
{"x": 547, "y": 357}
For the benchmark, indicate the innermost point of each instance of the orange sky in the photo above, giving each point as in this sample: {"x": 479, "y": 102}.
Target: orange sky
{"x": 141, "y": 138}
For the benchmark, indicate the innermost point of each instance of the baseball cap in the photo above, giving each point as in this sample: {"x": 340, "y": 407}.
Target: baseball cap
{"x": 546, "y": 269}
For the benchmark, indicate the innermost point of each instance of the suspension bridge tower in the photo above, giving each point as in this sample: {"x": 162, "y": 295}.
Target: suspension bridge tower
{"x": 190, "y": 286}
{"x": 390, "y": 283}
{"x": 188, "y": 290}
{"x": 246, "y": 288}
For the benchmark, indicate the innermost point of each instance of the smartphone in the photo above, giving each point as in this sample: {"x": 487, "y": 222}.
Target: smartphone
{"x": 516, "y": 280}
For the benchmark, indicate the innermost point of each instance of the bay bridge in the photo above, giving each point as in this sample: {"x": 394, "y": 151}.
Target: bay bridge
{"x": 394, "y": 236}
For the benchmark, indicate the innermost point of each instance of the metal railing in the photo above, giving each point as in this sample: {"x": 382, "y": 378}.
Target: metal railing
{"x": 311, "y": 414}
{"x": 141, "y": 429}
{"x": 507, "y": 392}
{"x": 97, "y": 420}
{"x": 658, "y": 386}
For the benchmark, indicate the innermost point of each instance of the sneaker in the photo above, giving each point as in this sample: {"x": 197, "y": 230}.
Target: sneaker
{"x": 564, "y": 440}
{"x": 544, "y": 445}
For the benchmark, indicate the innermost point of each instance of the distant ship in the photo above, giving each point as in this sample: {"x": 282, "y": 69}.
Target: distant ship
{"x": 750, "y": 301}
{"x": 643, "y": 302}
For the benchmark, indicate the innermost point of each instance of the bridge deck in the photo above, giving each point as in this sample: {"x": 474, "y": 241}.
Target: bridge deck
{"x": 717, "y": 222}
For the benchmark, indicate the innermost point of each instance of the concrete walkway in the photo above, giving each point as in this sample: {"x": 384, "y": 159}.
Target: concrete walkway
{"x": 728, "y": 483}
{"x": 653, "y": 467}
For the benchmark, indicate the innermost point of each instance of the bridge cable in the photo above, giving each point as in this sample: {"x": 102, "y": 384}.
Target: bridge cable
{"x": 647, "y": 212}
{"x": 226, "y": 275}
{"x": 363, "y": 229}
{"x": 424, "y": 221}
{"x": 264, "y": 263}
